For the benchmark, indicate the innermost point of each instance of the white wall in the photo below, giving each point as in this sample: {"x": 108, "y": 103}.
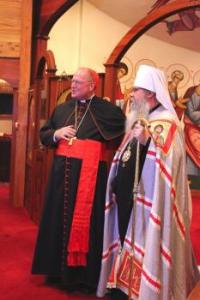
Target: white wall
{"x": 167, "y": 57}
{"x": 84, "y": 36}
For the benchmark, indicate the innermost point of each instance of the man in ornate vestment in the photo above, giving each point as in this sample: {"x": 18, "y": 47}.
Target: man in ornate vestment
{"x": 147, "y": 252}
{"x": 70, "y": 238}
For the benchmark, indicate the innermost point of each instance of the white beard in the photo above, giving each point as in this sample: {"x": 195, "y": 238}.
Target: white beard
{"x": 138, "y": 110}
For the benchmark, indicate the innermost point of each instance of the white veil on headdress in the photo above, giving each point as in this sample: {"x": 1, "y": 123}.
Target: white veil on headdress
{"x": 153, "y": 79}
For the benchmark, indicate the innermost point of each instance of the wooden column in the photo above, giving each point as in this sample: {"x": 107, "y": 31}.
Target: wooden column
{"x": 23, "y": 93}
{"x": 110, "y": 81}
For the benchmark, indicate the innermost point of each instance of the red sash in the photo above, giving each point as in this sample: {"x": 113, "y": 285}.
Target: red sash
{"x": 91, "y": 152}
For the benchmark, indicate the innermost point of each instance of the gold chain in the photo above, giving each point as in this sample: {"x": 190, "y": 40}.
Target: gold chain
{"x": 77, "y": 126}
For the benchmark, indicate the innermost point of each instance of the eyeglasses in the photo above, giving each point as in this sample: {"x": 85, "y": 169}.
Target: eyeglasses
{"x": 81, "y": 82}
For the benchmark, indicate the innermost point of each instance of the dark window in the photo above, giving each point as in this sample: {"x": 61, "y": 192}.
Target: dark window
{"x": 6, "y": 104}
{"x": 5, "y": 153}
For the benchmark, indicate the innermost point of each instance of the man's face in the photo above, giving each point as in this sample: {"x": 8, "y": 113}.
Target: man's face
{"x": 82, "y": 86}
{"x": 158, "y": 129}
{"x": 139, "y": 104}
{"x": 138, "y": 94}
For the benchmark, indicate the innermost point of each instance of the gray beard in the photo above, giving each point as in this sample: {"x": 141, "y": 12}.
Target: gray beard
{"x": 138, "y": 110}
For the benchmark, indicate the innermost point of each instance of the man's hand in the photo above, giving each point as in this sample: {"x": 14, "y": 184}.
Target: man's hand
{"x": 65, "y": 133}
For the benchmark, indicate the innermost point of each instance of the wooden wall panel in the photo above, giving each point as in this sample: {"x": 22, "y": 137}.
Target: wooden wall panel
{"x": 10, "y": 22}
{"x": 9, "y": 71}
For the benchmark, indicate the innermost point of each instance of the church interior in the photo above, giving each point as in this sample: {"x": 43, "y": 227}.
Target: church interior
{"x": 42, "y": 44}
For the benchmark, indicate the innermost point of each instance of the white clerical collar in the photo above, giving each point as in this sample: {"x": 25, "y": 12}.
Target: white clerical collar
{"x": 83, "y": 101}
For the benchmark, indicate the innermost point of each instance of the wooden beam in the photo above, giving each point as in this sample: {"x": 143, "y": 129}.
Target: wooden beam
{"x": 22, "y": 110}
{"x": 110, "y": 81}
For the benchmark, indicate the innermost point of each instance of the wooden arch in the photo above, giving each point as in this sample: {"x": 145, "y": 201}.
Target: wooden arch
{"x": 46, "y": 58}
{"x": 134, "y": 33}
{"x": 47, "y": 12}
{"x": 51, "y": 12}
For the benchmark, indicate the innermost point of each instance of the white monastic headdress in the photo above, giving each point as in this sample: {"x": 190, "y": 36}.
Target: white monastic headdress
{"x": 153, "y": 79}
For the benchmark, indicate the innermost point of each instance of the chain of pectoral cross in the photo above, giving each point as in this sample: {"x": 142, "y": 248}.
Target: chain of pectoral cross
{"x": 79, "y": 117}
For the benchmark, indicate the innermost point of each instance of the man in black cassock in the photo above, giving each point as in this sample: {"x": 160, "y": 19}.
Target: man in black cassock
{"x": 69, "y": 243}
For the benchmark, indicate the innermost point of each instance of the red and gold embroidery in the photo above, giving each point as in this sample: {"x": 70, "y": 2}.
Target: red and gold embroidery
{"x": 120, "y": 274}
{"x": 162, "y": 132}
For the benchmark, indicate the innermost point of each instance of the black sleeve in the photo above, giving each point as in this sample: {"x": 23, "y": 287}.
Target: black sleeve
{"x": 109, "y": 118}
{"x": 47, "y": 132}
{"x": 57, "y": 120}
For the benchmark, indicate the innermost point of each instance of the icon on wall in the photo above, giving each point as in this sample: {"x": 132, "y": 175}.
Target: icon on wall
{"x": 186, "y": 20}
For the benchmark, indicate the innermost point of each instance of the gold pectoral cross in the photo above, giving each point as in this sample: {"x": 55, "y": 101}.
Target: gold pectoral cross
{"x": 71, "y": 140}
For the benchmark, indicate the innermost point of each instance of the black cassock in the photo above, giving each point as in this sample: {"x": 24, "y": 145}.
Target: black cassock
{"x": 103, "y": 122}
{"x": 123, "y": 184}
